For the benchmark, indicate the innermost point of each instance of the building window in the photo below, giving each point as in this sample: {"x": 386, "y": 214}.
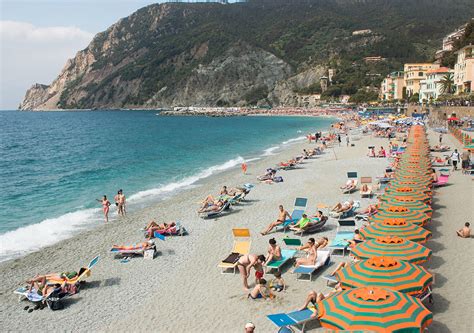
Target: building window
{"x": 420, "y": 73}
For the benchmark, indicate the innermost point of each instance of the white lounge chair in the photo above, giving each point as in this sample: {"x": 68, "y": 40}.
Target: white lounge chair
{"x": 321, "y": 260}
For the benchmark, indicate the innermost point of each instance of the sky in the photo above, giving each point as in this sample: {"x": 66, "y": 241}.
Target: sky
{"x": 38, "y": 36}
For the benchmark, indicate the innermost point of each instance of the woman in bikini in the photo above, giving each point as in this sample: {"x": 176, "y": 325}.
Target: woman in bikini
{"x": 245, "y": 264}
{"x": 105, "y": 207}
{"x": 310, "y": 258}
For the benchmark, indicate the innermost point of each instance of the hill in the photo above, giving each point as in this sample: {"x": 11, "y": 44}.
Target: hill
{"x": 267, "y": 52}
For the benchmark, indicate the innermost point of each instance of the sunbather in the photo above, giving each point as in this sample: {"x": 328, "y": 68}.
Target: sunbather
{"x": 358, "y": 238}
{"x": 371, "y": 152}
{"x": 349, "y": 186}
{"x": 313, "y": 298}
{"x": 215, "y": 207}
{"x": 268, "y": 175}
{"x": 340, "y": 266}
{"x": 140, "y": 246}
{"x": 302, "y": 223}
{"x": 207, "y": 202}
{"x": 153, "y": 226}
{"x": 261, "y": 291}
{"x": 344, "y": 207}
{"x": 382, "y": 152}
{"x": 370, "y": 210}
{"x": 310, "y": 259}
{"x": 282, "y": 215}
{"x": 223, "y": 191}
{"x": 465, "y": 232}
{"x": 274, "y": 252}
{"x": 364, "y": 188}
{"x": 245, "y": 264}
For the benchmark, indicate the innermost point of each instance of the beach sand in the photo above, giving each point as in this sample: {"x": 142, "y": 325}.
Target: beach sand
{"x": 182, "y": 289}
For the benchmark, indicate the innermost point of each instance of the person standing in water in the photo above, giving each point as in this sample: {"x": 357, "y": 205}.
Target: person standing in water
{"x": 120, "y": 203}
{"x": 105, "y": 207}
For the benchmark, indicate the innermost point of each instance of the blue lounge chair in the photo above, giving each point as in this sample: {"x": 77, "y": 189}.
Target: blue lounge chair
{"x": 297, "y": 319}
{"x": 286, "y": 255}
{"x": 297, "y": 214}
{"x": 339, "y": 243}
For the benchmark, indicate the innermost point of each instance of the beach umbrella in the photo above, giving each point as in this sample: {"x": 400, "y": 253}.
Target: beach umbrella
{"x": 453, "y": 119}
{"x": 401, "y": 213}
{"x": 373, "y": 309}
{"x": 396, "y": 227}
{"x": 385, "y": 272}
{"x": 395, "y": 184}
{"x": 394, "y": 247}
{"x": 404, "y": 192}
{"x": 408, "y": 202}
{"x": 421, "y": 179}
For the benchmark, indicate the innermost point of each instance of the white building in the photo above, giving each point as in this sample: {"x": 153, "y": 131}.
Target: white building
{"x": 431, "y": 87}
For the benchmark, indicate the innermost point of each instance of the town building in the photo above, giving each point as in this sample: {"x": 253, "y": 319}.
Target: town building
{"x": 464, "y": 70}
{"x": 392, "y": 87}
{"x": 431, "y": 87}
{"x": 449, "y": 41}
{"x": 414, "y": 73}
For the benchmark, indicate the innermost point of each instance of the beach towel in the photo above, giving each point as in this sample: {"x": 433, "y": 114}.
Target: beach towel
{"x": 232, "y": 258}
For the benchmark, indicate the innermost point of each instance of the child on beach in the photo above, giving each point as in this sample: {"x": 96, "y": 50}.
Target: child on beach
{"x": 277, "y": 284}
{"x": 261, "y": 291}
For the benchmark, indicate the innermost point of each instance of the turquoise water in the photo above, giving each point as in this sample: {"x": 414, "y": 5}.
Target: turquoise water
{"x": 54, "y": 165}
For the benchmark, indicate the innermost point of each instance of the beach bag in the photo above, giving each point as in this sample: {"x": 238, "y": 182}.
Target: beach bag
{"x": 278, "y": 179}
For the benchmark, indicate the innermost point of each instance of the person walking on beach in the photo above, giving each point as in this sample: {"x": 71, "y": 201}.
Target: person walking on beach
{"x": 440, "y": 138}
{"x": 339, "y": 139}
{"x": 455, "y": 159}
{"x": 465, "y": 160}
{"x": 105, "y": 207}
{"x": 120, "y": 203}
{"x": 347, "y": 140}
{"x": 244, "y": 168}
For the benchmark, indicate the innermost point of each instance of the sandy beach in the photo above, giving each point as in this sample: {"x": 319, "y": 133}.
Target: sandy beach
{"x": 182, "y": 290}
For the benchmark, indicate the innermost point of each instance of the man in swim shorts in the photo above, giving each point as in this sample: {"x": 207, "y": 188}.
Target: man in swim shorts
{"x": 282, "y": 215}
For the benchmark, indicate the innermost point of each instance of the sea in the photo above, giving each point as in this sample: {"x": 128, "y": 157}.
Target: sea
{"x": 53, "y": 165}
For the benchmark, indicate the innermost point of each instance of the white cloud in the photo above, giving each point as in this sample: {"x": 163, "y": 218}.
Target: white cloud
{"x": 31, "y": 54}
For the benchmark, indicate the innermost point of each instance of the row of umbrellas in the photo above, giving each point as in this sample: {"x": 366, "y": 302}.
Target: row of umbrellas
{"x": 380, "y": 291}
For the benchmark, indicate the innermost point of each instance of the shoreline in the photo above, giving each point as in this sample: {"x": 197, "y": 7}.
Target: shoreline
{"x": 148, "y": 196}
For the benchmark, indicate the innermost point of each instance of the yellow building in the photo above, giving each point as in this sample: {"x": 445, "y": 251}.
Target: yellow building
{"x": 414, "y": 73}
{"x": 392, "y": 87}
{"x": 464, "y": 70}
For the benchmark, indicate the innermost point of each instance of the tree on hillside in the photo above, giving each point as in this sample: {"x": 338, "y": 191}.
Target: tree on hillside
{"x": 447, "y": 84}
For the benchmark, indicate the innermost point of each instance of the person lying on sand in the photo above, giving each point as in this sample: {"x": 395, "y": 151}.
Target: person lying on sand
{"x": 344, "y": 207}
{"x": 349, "y": 186}
{"x": 268, "y": 175}
{"x": 140, "y": 246}
{"x": 282, "y": 215}
{"x": 465, "y": 232}
{"x": 261, "y": 291}
{"x": 245, "y": 264}
{"x": 41, "y": 286}
{"x": 274, "y": 252}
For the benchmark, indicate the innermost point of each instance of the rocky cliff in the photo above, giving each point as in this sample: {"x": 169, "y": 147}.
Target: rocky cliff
{"x": 251, "y": 53}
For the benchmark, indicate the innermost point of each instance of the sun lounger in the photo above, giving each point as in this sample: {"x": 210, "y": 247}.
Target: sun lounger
{"x": 176, "y": 230}
{"x": 286, "y": 255}
{"x": 427, "y": 294}
{"x": 224, "y": 207}
{"x": 297, "y": 214}
{"x": 351, "y": 175}
{"x": 339, "y": 243}
{"x": 129, "y": 251}
{"x": 331, "y": 279}
{"x": 293, "y": 242}
{"x": 322, "y": 259}
{"x": 442, "y": 181}
{"x": 52, "y": 301}
{"x": 312, "y": 227}
{"x": 367, "y": 181}
{"x": 297, "y": 319}
{"x": 346, "y": 223}
{"x": 241, "y": 247}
